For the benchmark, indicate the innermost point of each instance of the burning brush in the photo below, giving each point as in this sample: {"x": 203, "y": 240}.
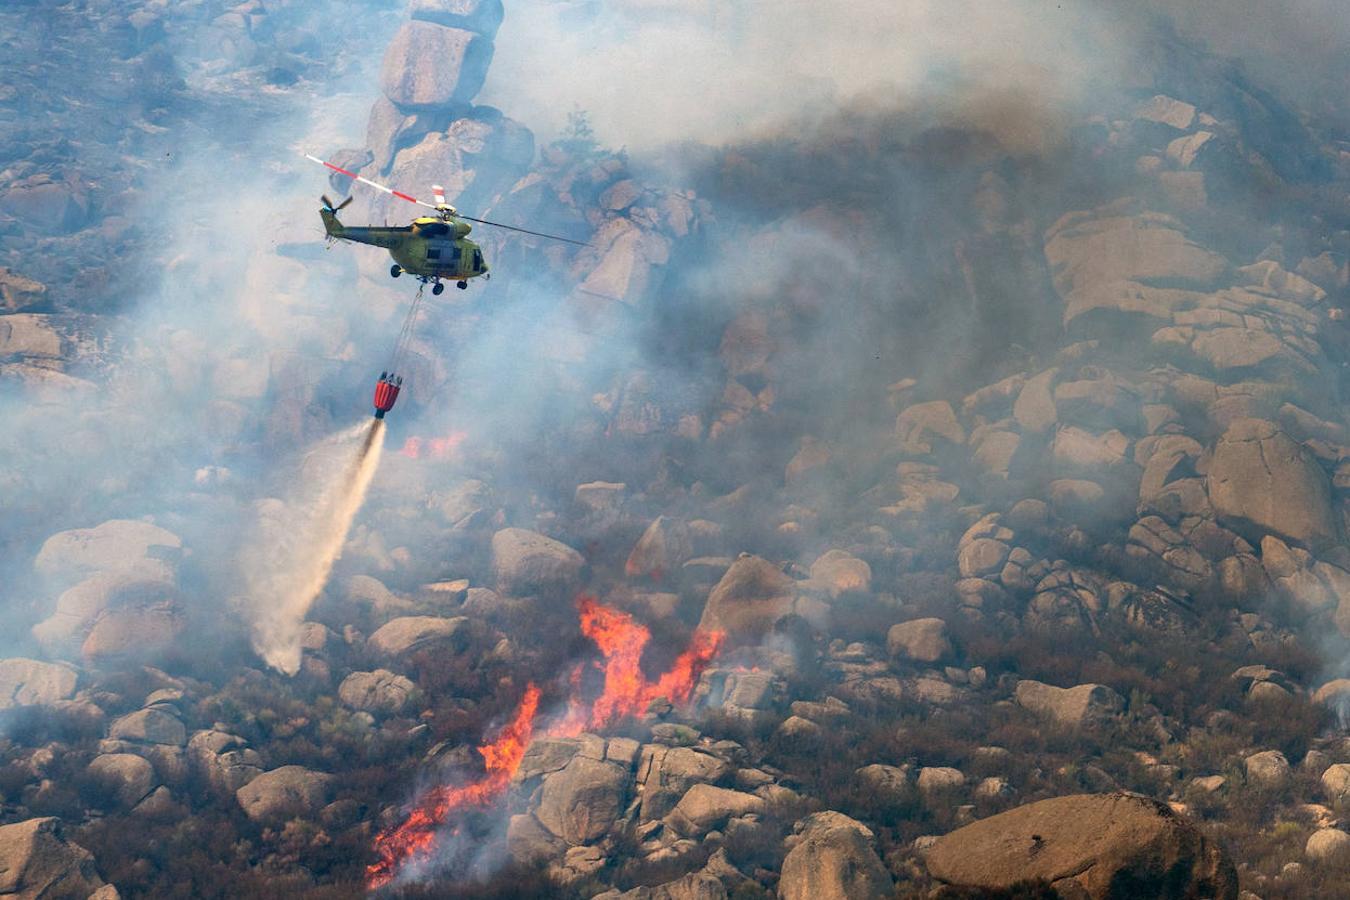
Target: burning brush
{"x": 627, "y": 692}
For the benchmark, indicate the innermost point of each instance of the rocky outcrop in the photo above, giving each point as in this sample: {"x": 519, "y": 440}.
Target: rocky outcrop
{"x": 38, "y": 863}
{"x": 1092, "y": 843}
{"x": 1111, "y": 245}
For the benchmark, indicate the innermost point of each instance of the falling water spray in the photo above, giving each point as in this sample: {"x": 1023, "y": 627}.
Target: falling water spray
{"x": 289, "y": 558}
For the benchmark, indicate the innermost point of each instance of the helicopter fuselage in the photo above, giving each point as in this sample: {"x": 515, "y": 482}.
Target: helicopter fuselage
{"x": 429, "y": 248}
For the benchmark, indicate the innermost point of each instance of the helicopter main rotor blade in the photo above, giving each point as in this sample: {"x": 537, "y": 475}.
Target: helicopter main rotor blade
{"x": 441, "y": 207}
{"x": 367, "y": 181}
{"x": 552, "y": 237}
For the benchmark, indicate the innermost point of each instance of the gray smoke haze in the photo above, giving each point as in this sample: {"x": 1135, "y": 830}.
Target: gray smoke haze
{"x": 651, "y": 72}
{"x": 258, "y": 343}
{"x": 219, "y": 372}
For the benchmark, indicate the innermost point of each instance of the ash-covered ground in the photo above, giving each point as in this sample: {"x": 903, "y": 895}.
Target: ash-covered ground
{"x": 930, "y": 480}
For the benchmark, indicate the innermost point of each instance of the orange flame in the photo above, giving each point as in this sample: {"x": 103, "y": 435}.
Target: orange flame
{"x": 627, "y": 692}
{"x": 417, "y": 834}
{"x": 433, "y": 448}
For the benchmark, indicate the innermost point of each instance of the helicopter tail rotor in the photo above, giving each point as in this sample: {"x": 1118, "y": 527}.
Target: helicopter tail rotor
{"x": 329, "y": 207}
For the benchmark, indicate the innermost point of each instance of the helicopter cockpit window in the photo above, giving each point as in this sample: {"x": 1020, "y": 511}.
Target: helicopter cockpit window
{"x": 478, "y": 260}
{"x": 433, "y": 253}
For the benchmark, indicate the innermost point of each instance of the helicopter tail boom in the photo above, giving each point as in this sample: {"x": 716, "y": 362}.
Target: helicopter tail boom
{"x": 331, "y": 225}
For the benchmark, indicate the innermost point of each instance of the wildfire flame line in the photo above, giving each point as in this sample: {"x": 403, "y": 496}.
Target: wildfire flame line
{"x": 627, "y": 692}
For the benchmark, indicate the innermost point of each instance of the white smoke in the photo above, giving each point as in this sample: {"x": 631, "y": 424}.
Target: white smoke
{"x": 289, "y": 556}
{"x": 650, "y": 73}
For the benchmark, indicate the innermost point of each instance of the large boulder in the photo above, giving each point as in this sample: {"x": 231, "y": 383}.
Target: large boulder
{"x": 481, "y": 16}
{"x": 1261, "y": 481}
{"x": 428, "y": 65}
{"x": 473, "y": 158}
{"x": 223, "y": 760}
{"x": 1083, "y": 706}
{"x": 920, "y": 640}
{"x": 380, "y": 691}
{"x": 662, "y": 549}
{"x": 400, "y": 637}
{"x": 128, "y": 777}
{"x": 838, "y": 573}
{"x": 526, "y": 562}
{"x": 134, "y": 633}
{"x": 1034, "y": 408}
{"x": 28, "y": 682}
{"x": 694, "y": 886}
{"x": 38, "y": 863}
{"x": 29, "y": 336}
{"x": 118, "y": 545}
{"x": 19, "y": 293}
{"x": 924, "y": 427}
{"x": 1336, "y": 783}
{"x": 80, "y": 608}
{"x": 285, "y": 793}
{"x": 1104, "y": 246}
{"x": 752, "y": 595}
{"x": 1269, "y": 768}
{"x": 834, "y": 860}
{"x": 667, "y": 773}
{"x": 149, "y": 726}
{"x": 1100, "y": 845}
{"x": 1328, "y": 846}
{"x": 580, "y": 802}
{"x": 704, "y": 807}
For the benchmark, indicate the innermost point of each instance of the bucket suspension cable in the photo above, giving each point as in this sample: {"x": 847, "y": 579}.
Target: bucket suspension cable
{"x": 405, "y": 334}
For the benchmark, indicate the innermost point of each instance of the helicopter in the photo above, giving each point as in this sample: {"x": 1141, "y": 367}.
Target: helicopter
{"x": 430, "y": 248}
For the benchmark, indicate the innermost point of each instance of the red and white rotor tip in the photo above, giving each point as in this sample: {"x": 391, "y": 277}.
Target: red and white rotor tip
{"x": 438, "y": 194}
{"x": 366, "y": 181}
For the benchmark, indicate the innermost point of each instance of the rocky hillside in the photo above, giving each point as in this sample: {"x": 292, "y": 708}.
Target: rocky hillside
{"x": 876, "y": 509}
